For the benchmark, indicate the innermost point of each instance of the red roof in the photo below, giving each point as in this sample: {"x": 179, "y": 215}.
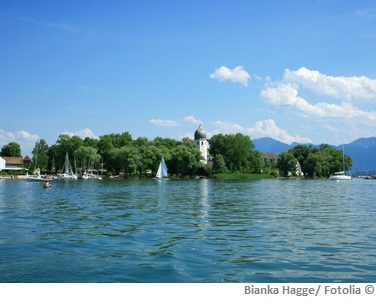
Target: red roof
{"x": 9, "y": 160}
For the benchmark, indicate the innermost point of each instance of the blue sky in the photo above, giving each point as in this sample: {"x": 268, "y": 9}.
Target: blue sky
{"x": 300, "y": 71}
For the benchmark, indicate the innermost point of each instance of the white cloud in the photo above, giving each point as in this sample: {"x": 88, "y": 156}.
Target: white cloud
{"x": 193, "y": 120}
{"x": 342, "y": 88}
{"x": 237, "y": 75}
{"x": 23, "y": 138}
{"x": 19, "y": 136}
{"x": 83, "y": 133}
{"x": 228, "y": 127}
{"x": 24, "y": 135}
{"x": 164, "y": 123}
{"x": 331, "y": 128}
{"x": 345, "y": 89}
{"x": 266, "y": 128}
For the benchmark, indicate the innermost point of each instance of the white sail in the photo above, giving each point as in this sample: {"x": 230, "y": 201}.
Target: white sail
{"x": 67, "y": 170}
{"x": 162, "y": 170}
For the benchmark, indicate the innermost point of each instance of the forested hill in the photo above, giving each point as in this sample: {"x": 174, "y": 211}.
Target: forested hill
{"x": 362, "y": 151}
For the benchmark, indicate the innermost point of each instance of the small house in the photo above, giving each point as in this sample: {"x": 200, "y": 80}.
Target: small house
{"x": 13, "y": 163}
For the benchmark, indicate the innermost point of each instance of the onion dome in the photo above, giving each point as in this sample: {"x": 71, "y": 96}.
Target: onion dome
{"x": 200, "y": 133}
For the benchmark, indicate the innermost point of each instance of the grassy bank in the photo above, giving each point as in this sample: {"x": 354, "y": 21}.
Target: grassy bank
{"x": 241, "y": 176}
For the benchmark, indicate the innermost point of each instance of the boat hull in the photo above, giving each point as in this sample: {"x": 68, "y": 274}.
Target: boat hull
{"x": 67, "y": 176}
{"x": 38, "y": 179}
{"x": 340, "y": 177}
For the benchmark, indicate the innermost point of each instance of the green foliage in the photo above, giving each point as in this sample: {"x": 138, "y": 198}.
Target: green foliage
{"x": 269, "y": 165}
{"x": 126, "y": 159}
{"x": 185, "y": 159}
{"x": 86, "y": 157}
{"x": 65, "y": 144}
{"x": 287, "y": 163}
{"x": 40, "y": 155}
{"x": 91, "y": 142}
{"x": 12, "y": 149}
{"x": 235, "y": 154}
{"x": 320, "y": 162}
{"x": 241, "y": 176}
{"x": 219, "y": 164}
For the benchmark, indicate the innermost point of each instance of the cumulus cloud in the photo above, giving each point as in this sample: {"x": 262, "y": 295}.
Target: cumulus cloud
{"x": 19, "y": 136}
{"x": 164, "y": 122}
{"x": 268, "y": 128}
{"x": 228, "y": 127}
{"x": 83, "y": 133}
{"x": 342, "y": 88}
{"x": 237, "y": 75}
{"x": 193, "y": 120}
{"x": 265, "y": 128}
{"x": 23, "y": 138}
{"x": 346, "y": 90}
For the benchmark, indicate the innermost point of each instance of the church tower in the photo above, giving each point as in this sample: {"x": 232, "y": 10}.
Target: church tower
{"x": 202, "y": 143}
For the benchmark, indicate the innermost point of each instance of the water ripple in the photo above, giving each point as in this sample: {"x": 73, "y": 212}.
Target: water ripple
{"x": 188, "y": 231}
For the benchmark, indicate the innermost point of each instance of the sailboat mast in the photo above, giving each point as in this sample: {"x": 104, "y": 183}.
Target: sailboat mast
{"x": 36, "y": 156}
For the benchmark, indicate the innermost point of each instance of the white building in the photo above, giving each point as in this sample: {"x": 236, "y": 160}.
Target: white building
{"x": 202, "y": 143}
{"x": 2, "y": 163}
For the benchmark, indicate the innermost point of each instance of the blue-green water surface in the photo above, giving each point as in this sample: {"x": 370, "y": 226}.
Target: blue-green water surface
{"x": 188, "y": 231}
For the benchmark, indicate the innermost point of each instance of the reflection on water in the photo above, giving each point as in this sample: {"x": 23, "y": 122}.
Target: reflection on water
{"x": 188, "y": 231}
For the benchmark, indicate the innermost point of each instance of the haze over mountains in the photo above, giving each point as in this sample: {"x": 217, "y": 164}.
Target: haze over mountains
{"x": 362, "y": 151}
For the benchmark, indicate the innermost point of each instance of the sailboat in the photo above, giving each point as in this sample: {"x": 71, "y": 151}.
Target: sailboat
{"x": 37, "y": 177}
{"x": 162, "y": 171}
{"x": 342, "y": 174}
{"x": 67, "y": 170}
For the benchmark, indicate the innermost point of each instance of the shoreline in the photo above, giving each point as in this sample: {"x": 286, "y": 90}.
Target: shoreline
{"x": 15, "y": 176}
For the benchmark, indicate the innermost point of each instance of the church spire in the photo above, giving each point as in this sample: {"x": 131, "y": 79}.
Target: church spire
{"x": 202, "y": 143}
{"x": 200, "y": 133}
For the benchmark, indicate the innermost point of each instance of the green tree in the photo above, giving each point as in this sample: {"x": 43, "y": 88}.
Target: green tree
{"x": 185, "y": 160}
{"x": 269, "y": 165}
{"x": 166, "y": 142}
{"x": 120, "y": 140}
{"x": 219, "y": 164}
{"x": 301, "y": 153}
{"x": 315, "y": 162}
{"x": 151, "y": 155}
{"x": 255, "y": 162}
{"x": 86, "y": 157}
{"x": 126, "y": 159}
{"x": 66, "y": 144}
{"x": 105, "y": 146}
{"x": 40, "y": 155}
{"x": 287, "y": 163}
{"x": 236, "y": 150}
{"x": 108, "y": 142}
{"x": 91, "y": 142}
{"x": 12, "y": 149}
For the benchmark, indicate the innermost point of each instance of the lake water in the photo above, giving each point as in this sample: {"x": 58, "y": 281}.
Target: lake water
{"x": 188, "y": 231}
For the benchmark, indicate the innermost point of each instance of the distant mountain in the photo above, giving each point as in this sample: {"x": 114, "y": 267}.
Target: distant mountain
{"x": 362, "y": 151}
{"x": 267, "y": 144}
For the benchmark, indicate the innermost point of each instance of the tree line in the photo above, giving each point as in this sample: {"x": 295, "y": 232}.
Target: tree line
{"x": 314, "y": 162}
{"x": 232, "y": 153}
